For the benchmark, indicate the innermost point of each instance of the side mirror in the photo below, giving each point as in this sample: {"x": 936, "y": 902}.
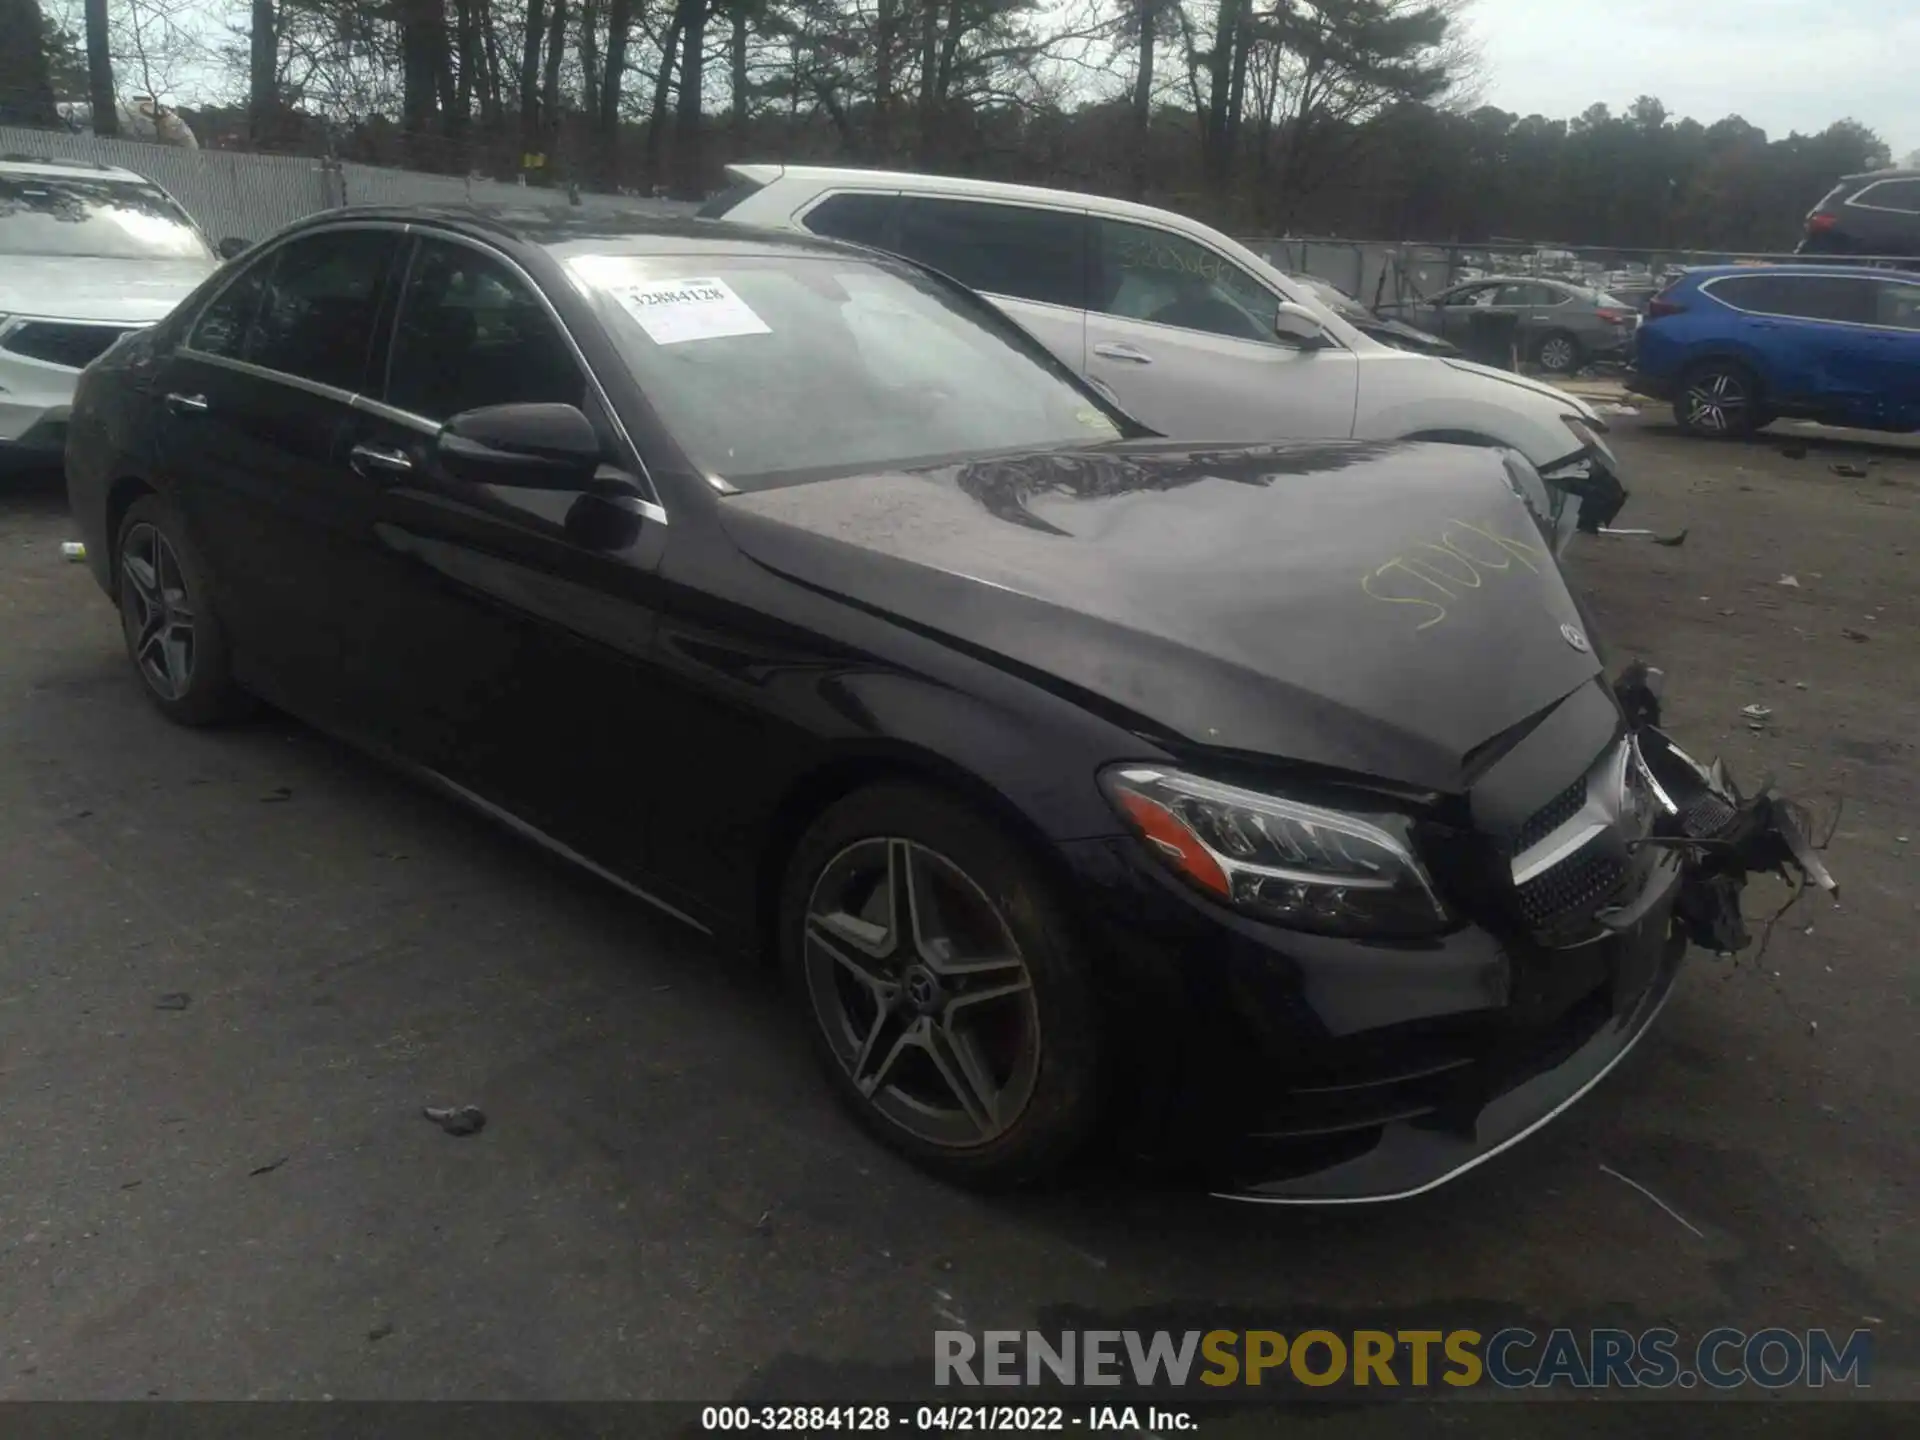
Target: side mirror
{"x": 1298, "y": 324}
{"x": 233, "y": 245}
{"x": 539, "y": 447}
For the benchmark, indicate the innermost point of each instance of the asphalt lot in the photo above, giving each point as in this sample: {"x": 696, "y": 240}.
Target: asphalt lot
{"x": 234, "y": 967}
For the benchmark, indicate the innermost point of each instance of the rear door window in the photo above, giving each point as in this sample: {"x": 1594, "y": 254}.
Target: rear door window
{"x": 222, "y": 326}
{"x": 1901, "y": 195}
{"x": 1800, "y": 297}
{"x": 1020, "y": 251}
{"x": 859, "y": 216}
{"x": 316, "y": 316}
{"x": 1899, "y": 306}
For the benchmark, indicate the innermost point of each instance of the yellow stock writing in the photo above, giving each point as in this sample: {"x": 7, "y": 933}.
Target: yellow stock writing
{"x": 1433, "y": 573}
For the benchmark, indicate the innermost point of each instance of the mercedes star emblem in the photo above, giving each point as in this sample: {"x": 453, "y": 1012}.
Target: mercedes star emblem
{"x": 1573, "y": 637}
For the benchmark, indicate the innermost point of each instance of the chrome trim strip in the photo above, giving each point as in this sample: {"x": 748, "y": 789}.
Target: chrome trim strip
{"x": 393, "y": 415}
{"x": 1486, "y": 1155}
{"x": 547, "y": 842}
{"x": 261, "y": 372}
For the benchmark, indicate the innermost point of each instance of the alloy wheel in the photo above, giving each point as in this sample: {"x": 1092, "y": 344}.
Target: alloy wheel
{"x": 1717, "y": 402}
{"x": 1558, "y": 354}
{"x": 157, "y": 612}
{"x": 922, "y": 992}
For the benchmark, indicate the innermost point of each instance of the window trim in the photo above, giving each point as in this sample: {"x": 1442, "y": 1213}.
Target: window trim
{"x": 1097, "y": 257}
{"x": 1084, "y": 216}
{"x": 270, "y": 256}
{"x": 1859, "y": 203}
{"x": 1865, "y": 277}
{"x": 650, "y": 507}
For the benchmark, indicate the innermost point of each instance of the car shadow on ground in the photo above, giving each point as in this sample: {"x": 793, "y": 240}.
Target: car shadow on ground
{"x": 36, "y": 489}
{"x": 1785, "y": 437}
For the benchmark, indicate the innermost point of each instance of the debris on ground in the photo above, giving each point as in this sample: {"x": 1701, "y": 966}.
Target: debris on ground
{"x": 73, "y": 550}
{"x": 1799, "y": 684}
{"x": 381, "y": 1331}
{"x": 457, "y": 1120}
{"x": 269, "y": 1167}
{"x": 1794, "y": 452}
{"x": 1626, "y": 1180}
{"x": 1757, "y": 716}
{"x": 173, "y": 1000}
{"x": 1789, "y": 581}
{"x": 1857, "y": 636}
{"x": 1851, "y": 472}
{"x": 1655, "y": 536}
{"x": 276, "y": 795}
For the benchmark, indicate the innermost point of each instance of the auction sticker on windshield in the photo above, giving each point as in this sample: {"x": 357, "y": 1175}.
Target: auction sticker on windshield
{"x": 675, "y": 311}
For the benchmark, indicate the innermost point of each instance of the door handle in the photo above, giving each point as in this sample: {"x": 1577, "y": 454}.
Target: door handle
{"x": 187, "y": 404}
{"x": 379, "y": 457}
{"x": 1123, "y": 352}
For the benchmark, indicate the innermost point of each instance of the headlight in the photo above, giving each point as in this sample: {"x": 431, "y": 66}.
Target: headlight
{"x": 1587, "y": 432}
{"x": 1287, "y": 862}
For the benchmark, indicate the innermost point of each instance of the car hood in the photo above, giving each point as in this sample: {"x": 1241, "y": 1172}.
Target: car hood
{"x": 1377, "y": 608}
{"x": 1571, "y": 404}
{"x": 87, "y": 287}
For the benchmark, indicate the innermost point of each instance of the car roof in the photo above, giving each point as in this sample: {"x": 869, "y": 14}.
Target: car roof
{"x": 630, "y": 232}
{"x": 56, "y": 169}
{"x": 1715, "y": 272}
{"x": 1527, "y": 280}
{"x": 767, "y": 174}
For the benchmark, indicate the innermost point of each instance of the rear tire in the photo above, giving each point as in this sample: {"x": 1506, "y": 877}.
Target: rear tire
{"x": 947, "y": 1000}
{"x": 174, "y": 639}
{"x": 1719, "y": 400}
{"x": 1558, "y": 353}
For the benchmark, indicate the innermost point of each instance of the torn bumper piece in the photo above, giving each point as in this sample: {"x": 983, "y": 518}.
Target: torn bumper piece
{"x": 1707, "y": 839}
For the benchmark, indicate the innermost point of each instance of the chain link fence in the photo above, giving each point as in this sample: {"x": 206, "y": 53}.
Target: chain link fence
{"x": 230, "y": 192}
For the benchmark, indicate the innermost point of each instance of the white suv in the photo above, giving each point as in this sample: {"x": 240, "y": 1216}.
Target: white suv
{"x": 1190, "y": 331}
{"x": 87, "y": 253}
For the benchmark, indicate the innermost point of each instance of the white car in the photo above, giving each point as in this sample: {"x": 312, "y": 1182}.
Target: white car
{"x": 1190, "y": 331}
{"x": 87, "y": 253}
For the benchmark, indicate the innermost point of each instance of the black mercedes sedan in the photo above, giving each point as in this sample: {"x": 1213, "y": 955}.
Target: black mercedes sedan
{"x": 1263, "y": 809}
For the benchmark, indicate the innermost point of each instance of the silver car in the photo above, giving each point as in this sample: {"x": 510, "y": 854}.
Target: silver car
{"x": 1561, "y": 326}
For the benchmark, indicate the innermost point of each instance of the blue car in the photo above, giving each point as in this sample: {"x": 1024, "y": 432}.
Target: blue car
{"x": 1736, "y": 347}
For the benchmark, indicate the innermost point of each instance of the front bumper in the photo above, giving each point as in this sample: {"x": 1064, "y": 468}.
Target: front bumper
{"x": 1287, "y": 1068}
{"x": 35, "y": 398}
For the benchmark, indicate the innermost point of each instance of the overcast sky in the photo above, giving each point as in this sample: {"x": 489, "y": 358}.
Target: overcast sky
{"x": 1781, "y": 64}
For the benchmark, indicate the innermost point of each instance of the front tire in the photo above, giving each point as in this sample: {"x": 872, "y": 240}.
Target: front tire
{"x": 948, "y": 1001}
{"x": 1719, "y": 400}
{"x": 174, "y": 639}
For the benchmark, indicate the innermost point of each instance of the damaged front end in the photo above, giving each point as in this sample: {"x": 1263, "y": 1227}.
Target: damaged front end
{"x": 1723, "y": 836}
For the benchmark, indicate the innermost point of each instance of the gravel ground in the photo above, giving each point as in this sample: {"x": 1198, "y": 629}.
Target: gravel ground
{"x": 234, "y": 967}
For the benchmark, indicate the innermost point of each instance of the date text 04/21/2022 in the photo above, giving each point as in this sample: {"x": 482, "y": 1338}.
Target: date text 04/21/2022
{"x": 944, "y": 1419}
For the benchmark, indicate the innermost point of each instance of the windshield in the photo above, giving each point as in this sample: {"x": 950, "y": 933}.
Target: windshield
{"x": 771, "y": 367}
{"x": 112, "y": 219}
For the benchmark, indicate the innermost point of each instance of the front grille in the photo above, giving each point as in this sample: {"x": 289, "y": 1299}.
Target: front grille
{"x": 1551, "y": 816}
{"x": 60, "y": 342}
{"x": 1575, "y": 886}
